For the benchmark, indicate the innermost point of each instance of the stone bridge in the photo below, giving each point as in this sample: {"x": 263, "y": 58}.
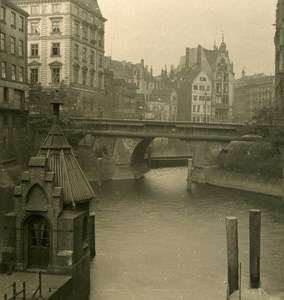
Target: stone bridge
{"x": 123, "y": 143}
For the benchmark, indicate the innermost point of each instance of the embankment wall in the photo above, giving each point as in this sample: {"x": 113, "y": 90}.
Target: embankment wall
{"x": 253, "y": 183}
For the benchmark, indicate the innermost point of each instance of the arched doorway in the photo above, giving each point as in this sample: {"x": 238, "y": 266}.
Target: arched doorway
{"x": 38, "y": 241}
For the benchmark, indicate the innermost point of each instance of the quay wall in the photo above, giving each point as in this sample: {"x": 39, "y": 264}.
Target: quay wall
{"x": 218, "y": 177}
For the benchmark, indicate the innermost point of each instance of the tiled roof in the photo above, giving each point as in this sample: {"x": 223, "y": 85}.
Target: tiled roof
{"x": 68, "y": 173}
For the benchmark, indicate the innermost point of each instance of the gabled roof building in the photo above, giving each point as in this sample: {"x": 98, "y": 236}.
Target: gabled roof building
{"x": 217, "y": 67}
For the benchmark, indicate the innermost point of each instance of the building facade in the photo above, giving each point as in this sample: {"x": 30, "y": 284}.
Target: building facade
{"x": 13, "y": 79}
{"x": 252, "y": 93}
{"x": 279, "y": 53}
{"x": 66, "y": 45}
{"x": 139, "y": 75}
{"x": 217, "y": 66}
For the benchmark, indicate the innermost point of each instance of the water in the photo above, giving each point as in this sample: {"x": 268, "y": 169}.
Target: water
{"x": 155, "y": 240}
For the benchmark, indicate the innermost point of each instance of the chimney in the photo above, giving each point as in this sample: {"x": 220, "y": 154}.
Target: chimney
{"x": 186, "y": 57}
{"x": 142, "y": 63}
{"x": 151, "y": 71}
{"x": 199, "y": 53}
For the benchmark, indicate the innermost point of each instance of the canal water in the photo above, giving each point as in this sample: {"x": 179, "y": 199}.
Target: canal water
{"x": 156, "y": 240}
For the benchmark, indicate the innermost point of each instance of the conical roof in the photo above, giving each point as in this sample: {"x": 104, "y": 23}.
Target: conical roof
{"x": 62, "y": 161}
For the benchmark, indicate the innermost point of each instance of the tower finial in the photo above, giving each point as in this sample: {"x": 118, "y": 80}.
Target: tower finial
{"x": 222, "y": 36}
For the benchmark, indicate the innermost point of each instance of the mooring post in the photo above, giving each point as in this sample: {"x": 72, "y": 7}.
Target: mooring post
{"x": 254, "y": 237}
{"x": 232, "y": 253}
{"x": 189, "y": 173}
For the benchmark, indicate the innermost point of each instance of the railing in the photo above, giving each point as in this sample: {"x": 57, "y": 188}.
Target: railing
{"x": 14, "y": 290}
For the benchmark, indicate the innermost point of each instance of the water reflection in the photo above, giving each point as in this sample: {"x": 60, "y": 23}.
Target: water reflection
{"x": 155, "y": 240}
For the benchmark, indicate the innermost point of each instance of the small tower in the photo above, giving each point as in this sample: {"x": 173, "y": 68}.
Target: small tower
{"x": 223, "y": 46}
{"x": 52, "y": 225}
{"x": 243, "y": 73}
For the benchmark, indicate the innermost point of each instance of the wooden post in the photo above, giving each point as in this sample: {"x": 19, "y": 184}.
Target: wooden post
{"x": 254, "y": 237}
{"x": 189, "y": 173}
{"x": 40, "y": 287}
{"x": 232, "y": 253}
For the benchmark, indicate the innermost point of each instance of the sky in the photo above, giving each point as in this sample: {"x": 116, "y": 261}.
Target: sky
{"x": 158, "y": 31}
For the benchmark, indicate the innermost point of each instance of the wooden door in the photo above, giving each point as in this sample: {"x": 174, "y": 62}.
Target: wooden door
{"x": 38, "y": 247}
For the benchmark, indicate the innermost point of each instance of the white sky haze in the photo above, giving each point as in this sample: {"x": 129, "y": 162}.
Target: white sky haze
{"x": 159, "y": 31}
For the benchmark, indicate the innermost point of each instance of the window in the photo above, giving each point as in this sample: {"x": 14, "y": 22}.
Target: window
{"x": 6, "y": 95}
{"x": 76, "y": 51}
{"x": 13, "y": 45}
{"x": 84, "y": 54}
{"x": 194, "y": 108}
{"x": 201, "y": 98}
{"x": 93, "y": 37}
{"x": 195, "y": 97}
{"x": 92, "y": 58}
{"x": 21, "y": 48}
{"x": 56, "y": 26}
{"x": 85, "y": 33}
{"x": 34, "y": 50}
{"x": 13, "y": 71}
{"x": 84, "y": 77}
{"x": 3, "y": 14}
{"x": 84, "y": 16}
{"x": 21, "y": 74}
{"x": 77, "y": 29}
{"x": 225, "y": 100}
{"x": 35, "y": 28}
{"x": 76, "y": 10}
{"x": 198, "y": 108}
{"x": 201, "y": 87}
{"x": 4, "y": 143}
{"x": 3, "y": 69}
{"x": 219, "y": 88}
{"x": 55, "y": 75}
{"x": 3, "y": 41}
{"x": 76, "y": 76}
{"x": 195, "y": 87}
{"x": 92, "y": 20}
{"x": 218, "y": 100}
{"x": 100, "y": 41}
{"x": 34, "y": 75}
{"x": 21, "y": 23}
{"x": 202, "y": 78}
{"x": 55, "y": 49}
{"x": 208, "y": 88}
{"x": 226, "y": 88}
{"x": 92, "y": 79}
{"x": 226, "y": 77}
{"x": 219, "y": 76}
{"x": 13, "y": 19}
{"x": 34, "y": 9}
{"x": 55, "y": 8}
{"x": 101, "y": 61}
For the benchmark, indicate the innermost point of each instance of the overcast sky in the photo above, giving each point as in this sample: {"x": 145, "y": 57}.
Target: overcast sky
{"x": 160, "y": 30}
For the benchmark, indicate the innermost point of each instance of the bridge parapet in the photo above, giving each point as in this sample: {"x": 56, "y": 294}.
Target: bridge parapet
{"x": 145, "y": 128}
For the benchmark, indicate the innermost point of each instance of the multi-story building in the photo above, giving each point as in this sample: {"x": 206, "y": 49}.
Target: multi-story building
{"x": 217, "y": 66}
{"x": 252, "y": 93}
{"x": 279, "y": 53}
{"x": 138, "y": 74}
{"x": 13, "y": 79}
{"x": 66, "y": 44}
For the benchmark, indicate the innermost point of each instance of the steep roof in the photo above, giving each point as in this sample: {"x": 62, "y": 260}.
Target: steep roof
{"x": 121, "y": 70}
{"x": 68, "y": 173}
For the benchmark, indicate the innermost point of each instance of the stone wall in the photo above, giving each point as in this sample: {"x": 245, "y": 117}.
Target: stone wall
{"x": 219, "y": 177}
